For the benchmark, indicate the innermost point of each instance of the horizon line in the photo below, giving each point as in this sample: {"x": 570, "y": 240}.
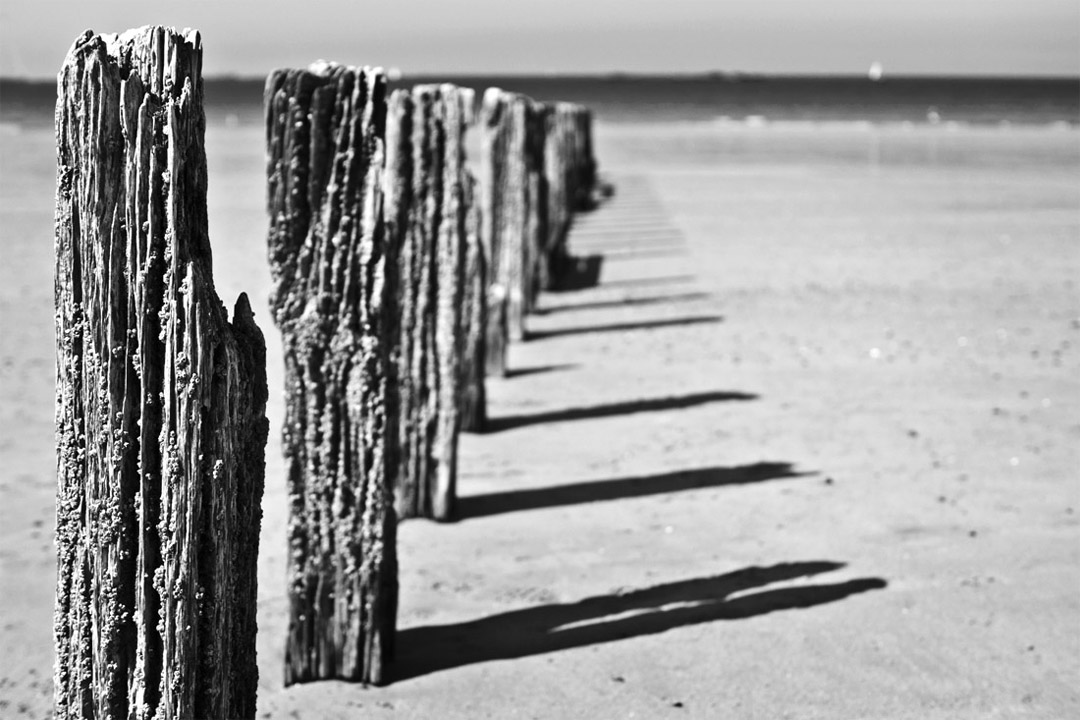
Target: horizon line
{"x": 733, "y": 75}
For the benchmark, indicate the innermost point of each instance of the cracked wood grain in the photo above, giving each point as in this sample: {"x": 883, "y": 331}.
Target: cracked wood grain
{"x": 160, "y": 400}
{"x": 333, "y": 298}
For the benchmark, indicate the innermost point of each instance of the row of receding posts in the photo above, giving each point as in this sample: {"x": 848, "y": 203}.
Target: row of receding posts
{"x": 397, "y": 281}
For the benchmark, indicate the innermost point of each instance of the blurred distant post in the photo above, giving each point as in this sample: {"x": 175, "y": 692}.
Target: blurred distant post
{"x": 473, "y": 358}
{"x": 570, "y": 170}
{"x": 334, "y": 293}
{"x": 494, "y": 131}
{"x": 513, "y": 212}
{"x": 160, "y": 400}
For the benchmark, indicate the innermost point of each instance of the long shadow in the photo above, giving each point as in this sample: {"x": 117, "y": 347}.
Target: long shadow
{"x": 522, "y": 372}
{"x": 511, "y": 422}
{"x": 629, "y": 246}
{"x": 625, "y": 302}
{"x": 560, "y": 626}
{"x": 617, "y": 254}
{"x": 600, "y": 490}
{"x": 624, "y": 235}
{"x": 657, "y": 280}
{"x": 625, "y": 327}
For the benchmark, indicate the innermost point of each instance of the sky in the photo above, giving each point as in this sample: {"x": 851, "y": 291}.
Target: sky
{"x": 249, "y": 38}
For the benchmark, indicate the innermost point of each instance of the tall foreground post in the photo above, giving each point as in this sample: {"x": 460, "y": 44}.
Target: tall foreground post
{"x": 426, "y": 210}
{"x": 160, "y": 400}
{"x": 334, "y": 285}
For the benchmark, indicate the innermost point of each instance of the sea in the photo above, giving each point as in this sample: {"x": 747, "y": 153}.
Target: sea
{"x": 934, "y": 222}
{"x": 721, "y": 97}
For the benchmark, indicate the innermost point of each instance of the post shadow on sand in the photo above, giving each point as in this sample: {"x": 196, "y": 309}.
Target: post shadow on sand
{"x": 512, "y": 422}
{"x": 476, "y": 506}
{"x": 642, "y": 252}
{"x": 625, "y": 327}
{"x": 561, "y": 626}
{"x": 626, "y": 302}
{"x": 652, "y": 280}
{"x": 537, "y": 369}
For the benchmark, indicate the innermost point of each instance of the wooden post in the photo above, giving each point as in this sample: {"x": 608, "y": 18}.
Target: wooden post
{"x": 473, "y": 392}
{"x": 513, "y": 212}
{"x": 160, "y": 400}
{"x": 334, "y": 283}
{"x": 570, "y": 171}
{"x": 558, "y": 164}
{"x": 536, "y": 223}
{"x": 584, "y": 161}
{"x": 492, "y": 171}
{"x": 426, "y": 210}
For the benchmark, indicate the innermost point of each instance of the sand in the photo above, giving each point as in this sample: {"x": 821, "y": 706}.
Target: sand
{"x": 808, "y": 449}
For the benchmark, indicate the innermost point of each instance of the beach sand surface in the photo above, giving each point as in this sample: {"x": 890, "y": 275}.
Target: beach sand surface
{"x": 805, "y": 445}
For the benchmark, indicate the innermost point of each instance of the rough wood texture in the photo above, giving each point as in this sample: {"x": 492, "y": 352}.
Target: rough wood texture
{"x": 493, "y": 172}
{"x": 570, "y": 170}
{"x": 513, "y": 211}
{"x": 473, "y": 392}
{"x": 536, "y": 224}
{"x": 584, "y": 160}
{"x": 426, "y": 210}
{"x": 160, "y": 401}
{"x": 334, "y": 283}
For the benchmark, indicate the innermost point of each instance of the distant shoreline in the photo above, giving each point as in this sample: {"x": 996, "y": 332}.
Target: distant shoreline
{"x": 930, "y": 100}
{"x": 729, "y": 76}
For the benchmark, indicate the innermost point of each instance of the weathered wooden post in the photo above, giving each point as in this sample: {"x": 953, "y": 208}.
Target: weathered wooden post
{"x": 512, "y": 213}
{"x": 334, "y": 285}
{"x": 570, "y": 171}
{"x": 426, "y": 209}
{"x": 494, "y": 139}
{"x": 558, "y": 167}
{"x": 160, "y": 400}
{"x": 474, "y": 353}
{"x": 536, "y": 225}
{"x": 584, "y": 161}
{"x": 556, "y": 160}
{"x": 473, "y": 392}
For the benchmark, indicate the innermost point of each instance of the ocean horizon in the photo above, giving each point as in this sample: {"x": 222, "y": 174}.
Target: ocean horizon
{"x": 718, "y": 96}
